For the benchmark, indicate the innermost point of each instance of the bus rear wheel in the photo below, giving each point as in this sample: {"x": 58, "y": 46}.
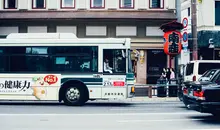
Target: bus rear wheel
{"x": 74, "y": 96}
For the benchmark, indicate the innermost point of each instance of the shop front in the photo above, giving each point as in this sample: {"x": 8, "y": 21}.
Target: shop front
{"x": 156, "y": 61}
{"x": 148, "y": 59}
{"x": 208, "y": 45}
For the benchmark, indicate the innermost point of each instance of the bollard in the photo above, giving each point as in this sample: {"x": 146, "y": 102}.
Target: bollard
{"x": 150, "y": 91}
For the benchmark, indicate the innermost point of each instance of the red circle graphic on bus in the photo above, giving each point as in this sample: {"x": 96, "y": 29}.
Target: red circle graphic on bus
{"x": 50, "y": 79}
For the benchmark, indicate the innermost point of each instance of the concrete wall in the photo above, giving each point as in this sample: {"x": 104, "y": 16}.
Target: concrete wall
{"x": 90, "y": 29}
{"x": 142, "y": 70}
{"x": 7, "y": 30}
{"x": 205, "y": 14}
{"x": 66, "y": 29}
{"x": 96, "y": 31}
{"x": 85, "y": 4}
{"x": 37, "y": 29}
{"x": 185, "y": 5}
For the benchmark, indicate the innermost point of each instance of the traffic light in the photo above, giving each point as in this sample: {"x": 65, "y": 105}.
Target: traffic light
{"x": 172, "y": 45}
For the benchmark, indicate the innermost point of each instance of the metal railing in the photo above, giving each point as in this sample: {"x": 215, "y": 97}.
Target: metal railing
{"x": 170, "y": 89}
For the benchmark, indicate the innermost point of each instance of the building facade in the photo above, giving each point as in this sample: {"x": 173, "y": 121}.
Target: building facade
{"x": 138, "y": 19}
{"x": 208, "y": 27}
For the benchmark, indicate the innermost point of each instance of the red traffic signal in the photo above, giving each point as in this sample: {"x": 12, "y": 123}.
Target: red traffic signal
{"x": 172, "y": 45}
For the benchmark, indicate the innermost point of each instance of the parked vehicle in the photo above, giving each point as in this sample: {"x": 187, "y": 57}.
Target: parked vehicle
{"x": 195, "y": 69}
{"x": 205, "y": 79}
{"x": 204, "y": 95}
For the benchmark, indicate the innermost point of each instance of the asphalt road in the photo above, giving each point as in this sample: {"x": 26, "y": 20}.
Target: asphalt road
{"x": 104, "y": 116}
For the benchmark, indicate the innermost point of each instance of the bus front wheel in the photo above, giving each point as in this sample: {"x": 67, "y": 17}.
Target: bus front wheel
{"x": 74, "y": 96}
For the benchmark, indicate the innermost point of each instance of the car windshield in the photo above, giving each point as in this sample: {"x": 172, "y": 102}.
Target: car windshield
{"x": 216, "y": 77}
{"x": 209, "y": 73}
{"x": 207, "y": 66}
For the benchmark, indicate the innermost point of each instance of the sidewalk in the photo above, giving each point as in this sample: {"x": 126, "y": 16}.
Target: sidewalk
{"x": 157, "y": 99}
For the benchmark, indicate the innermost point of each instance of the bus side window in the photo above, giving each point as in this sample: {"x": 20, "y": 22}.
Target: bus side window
{"x": 114, "y": 61}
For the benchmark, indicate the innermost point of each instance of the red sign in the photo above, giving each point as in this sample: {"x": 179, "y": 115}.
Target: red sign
{"x": 173, "y": 44}
{"x": 50, "y": 79}
{"x": 185, "y": 22}
{"x": 119, "y": 83}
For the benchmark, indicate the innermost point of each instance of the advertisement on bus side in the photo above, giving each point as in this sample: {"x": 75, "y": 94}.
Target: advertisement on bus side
{"x": 28, "y": 84}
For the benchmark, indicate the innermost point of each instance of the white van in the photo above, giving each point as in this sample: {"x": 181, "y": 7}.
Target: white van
{"x": 195, "y": 69}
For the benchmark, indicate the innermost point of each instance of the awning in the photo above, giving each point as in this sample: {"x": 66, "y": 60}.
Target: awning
{"x": 206, "y": 37}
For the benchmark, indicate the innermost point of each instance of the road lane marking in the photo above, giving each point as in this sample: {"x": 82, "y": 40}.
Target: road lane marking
{"x": 129, "y": 109}
{"x": 202, "y": 129}
{"x": 102, "y": 114}
{"x": 158, "y": 120}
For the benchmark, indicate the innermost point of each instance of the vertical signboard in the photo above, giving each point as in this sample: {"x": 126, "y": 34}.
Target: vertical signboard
{"x": 185, "y": 34}
{"x": 184, "y": 56}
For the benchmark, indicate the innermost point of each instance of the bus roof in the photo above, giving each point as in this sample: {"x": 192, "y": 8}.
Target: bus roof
{"x": 19, "y": 39}
{"x": 41, "y": 36}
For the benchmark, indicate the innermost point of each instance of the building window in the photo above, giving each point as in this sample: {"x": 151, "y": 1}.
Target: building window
{"x": 97, "y": 3}
{"x": 67, "y": 3}
{"x": 126, "y": 3}
{"x": 189, "y": 11}
{"x": 217, "y": 11}
{"x": 156, "y": 4}
{"x": 39, "y": 4}
{"x": 10, "y": 4}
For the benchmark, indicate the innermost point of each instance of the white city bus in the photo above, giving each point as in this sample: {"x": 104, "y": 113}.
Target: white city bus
{"x": 61, "y": 67}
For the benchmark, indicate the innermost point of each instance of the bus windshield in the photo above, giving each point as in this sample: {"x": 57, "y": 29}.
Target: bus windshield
{"x": 130, "y": 68}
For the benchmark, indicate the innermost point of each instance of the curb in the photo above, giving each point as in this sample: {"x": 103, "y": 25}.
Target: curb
{"x": 154, "y": 99}
{"x": 143, "y": 100}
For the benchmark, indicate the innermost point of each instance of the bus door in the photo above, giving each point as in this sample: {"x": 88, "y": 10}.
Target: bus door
{"x": 114, "y": 73}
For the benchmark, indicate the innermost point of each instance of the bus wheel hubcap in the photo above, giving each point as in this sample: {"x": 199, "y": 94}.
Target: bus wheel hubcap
{"x": 72, "y": 94}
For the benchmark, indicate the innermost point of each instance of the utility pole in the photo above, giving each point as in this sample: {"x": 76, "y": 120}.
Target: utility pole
{"x": 194, "y": 28}
{"x": 178, "y": 15}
